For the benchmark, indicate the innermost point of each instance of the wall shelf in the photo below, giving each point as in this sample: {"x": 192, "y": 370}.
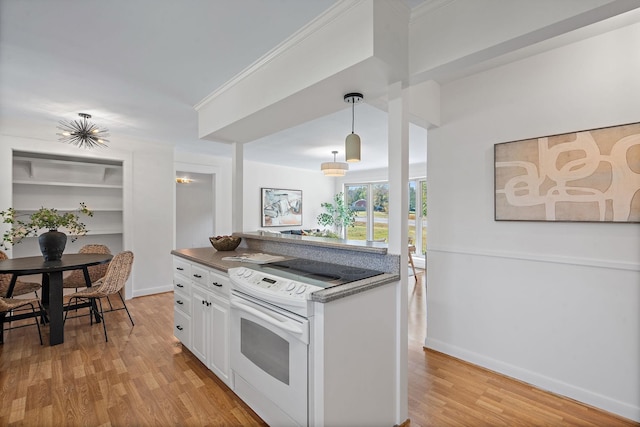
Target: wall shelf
{"x": 63, "y": 182}
{"x": 66, "y": 184}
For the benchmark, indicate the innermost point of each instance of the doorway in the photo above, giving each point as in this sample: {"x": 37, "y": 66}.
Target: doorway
{"x": 195, "y": 214}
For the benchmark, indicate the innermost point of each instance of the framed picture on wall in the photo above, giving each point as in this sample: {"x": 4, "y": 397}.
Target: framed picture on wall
{"x": 281, "y": 207}
{"x": 588, "y": 176}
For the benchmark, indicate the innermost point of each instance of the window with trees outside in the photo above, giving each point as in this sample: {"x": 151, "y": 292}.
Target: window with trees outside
{"x": 372, "y": 219}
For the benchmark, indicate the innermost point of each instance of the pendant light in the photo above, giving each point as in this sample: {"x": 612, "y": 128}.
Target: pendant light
{"x": 352, "y": 142}
{"x": 334, "y": 168}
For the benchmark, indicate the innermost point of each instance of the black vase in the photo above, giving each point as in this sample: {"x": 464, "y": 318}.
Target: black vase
{"x": 52, "y": 244}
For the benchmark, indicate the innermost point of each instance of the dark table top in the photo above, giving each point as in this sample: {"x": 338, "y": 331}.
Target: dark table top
{"x": 37, "y": 264}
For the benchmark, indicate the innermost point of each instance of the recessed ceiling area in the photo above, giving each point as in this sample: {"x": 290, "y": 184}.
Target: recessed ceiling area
{"x": 139, "y": 67}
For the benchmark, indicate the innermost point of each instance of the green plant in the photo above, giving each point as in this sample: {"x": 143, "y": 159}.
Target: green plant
{"x": 337, "y": 215}
{"x": 43, "y": 218}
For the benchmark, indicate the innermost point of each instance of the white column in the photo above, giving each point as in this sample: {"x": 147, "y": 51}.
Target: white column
{"x": 398, "y": 230}
{"x": 237, "y": 161}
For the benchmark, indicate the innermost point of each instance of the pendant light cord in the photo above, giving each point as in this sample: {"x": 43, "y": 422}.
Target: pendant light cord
{"x": 353, "y": 115}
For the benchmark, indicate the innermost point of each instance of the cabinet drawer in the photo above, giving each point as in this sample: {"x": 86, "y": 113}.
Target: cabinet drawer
{"x": 182, "y": 327}
{"x": 181, "y": 267}
{"x": 219, "y": 283}
{"x": 181, "y": 284}
{"x": 182, "y": 303}
{"x": 199, "y": 275}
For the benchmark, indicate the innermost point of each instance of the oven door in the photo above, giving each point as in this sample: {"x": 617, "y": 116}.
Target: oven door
{"x": 269, "y": 360}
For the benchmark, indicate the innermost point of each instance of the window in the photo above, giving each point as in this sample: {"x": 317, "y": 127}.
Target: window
{"x": 372, "y": 219}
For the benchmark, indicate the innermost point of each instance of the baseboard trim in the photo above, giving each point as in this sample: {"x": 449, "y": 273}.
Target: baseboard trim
{"x": 152, "y": 291}
{"x": 540, "y": 381}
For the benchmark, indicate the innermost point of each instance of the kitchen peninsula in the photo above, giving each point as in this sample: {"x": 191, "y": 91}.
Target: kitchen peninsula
{"x": 340, "y": 366}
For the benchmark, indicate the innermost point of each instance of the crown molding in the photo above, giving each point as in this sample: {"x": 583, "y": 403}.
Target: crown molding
{"x": 296, "y": 38}
{"x": 428, "y": 7}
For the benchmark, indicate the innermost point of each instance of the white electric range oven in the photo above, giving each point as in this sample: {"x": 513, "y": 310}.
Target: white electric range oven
{"x": 271, "y": 319}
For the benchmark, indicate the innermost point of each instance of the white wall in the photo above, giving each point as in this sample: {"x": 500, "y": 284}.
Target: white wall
{"x": 148, "y": 201}
{"x": 553, "y": 304}
{"x": 316, "y": 189}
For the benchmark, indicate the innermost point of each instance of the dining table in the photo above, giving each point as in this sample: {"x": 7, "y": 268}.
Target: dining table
{"x": 52, "y": 278}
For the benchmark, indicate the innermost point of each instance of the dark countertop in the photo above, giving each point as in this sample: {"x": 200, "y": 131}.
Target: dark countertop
{"x": 212, "y": 258}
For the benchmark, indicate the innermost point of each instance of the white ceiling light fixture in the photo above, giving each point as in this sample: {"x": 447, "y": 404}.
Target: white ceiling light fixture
{"x": 334, "y": 168}
{"x": 352, "y": 143}
{"x": 82, "y": 133}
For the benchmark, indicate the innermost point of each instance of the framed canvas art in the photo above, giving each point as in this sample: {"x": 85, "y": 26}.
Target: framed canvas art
{"x": 281, "y": 207}
{"x": 591, "y": 175}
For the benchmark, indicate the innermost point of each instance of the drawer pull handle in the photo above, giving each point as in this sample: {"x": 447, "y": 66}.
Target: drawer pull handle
{"x": 180, "y": 268}
{"x": 178, "y": 327}
{"x": 179, "y": 302}
{"x": 179, "y": 285}
{"x": 197, "y": 276}
{"x": 217, "y": 284}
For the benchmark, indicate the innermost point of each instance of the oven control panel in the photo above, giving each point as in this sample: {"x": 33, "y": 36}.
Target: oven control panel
{"x": 269, "y": 285}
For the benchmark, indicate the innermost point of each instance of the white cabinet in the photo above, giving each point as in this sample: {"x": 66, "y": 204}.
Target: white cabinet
{"x": 182, "y": 327}
{"x": 203, "y": 292}
{"x": 63, "y": 182}
{"x": 219, "y": 348}
{"x": 201, "y": 317}
{"x": 210, "y": 330}
{"x": 182, "y": 302}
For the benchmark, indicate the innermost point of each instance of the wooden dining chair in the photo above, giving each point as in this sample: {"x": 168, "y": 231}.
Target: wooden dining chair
{"x": 11, "y": 305}
{"x": 76, "y": 278}
{"x": 20, "y": 288}
{"x": 113, "y": 281}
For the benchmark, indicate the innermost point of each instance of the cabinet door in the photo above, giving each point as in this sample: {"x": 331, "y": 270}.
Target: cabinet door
{"x": 219, "y": 360}
{"x": 181, "y": 268}
{"x": 219, "y": 283}
{"x": 182, "y": 302}
{"x": 200, "y": 318}
{"x": 182, "y": 327}
{"x": 199, "y": 274}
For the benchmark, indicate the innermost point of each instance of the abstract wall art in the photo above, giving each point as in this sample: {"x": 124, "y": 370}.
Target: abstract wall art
{"x": 281, "y": 207}
{"x": 591, "y": 175}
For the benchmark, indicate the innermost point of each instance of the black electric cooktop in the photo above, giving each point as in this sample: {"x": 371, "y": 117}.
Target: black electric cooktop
{"x": 331, "y": 274}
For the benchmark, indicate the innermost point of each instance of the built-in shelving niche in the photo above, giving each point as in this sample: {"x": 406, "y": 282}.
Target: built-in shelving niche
{"x": 63, "y": 182}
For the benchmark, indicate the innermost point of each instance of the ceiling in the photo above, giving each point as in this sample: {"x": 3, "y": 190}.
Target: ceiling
{"x": 138, "y": 67}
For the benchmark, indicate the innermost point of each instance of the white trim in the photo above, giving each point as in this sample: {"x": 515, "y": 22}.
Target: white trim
{"x": 152, "y": 291}
{"x": 428, "y": 7}
{"x": 296, "y": 38}
{"x": 541, "y": 381}
{"x": 558, "y": 259}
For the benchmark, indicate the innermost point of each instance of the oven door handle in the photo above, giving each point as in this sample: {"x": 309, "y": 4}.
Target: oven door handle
{"x": 276, "y": 320}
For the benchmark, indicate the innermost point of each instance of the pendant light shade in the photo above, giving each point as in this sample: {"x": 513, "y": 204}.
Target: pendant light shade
{"x": 352, "y": 148}
{"x": 352, "y": 142}
{"x": 334, "y": 168}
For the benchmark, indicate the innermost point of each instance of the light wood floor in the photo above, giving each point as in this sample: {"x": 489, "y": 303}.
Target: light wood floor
{"x": 143, "y": 377}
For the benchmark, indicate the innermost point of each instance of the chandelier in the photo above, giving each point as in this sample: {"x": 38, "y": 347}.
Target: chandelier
{"x": 82, "y": 133}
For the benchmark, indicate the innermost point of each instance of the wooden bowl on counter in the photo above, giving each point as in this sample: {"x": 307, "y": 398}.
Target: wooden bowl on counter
{"x": 225, "y": 243}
